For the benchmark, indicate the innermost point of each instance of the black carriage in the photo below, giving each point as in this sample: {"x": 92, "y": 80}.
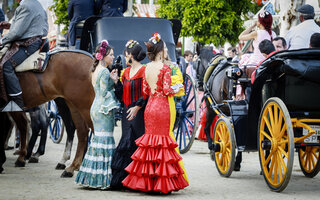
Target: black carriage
{"x": 118, "y": 30}
{"x": 282, "y": 113}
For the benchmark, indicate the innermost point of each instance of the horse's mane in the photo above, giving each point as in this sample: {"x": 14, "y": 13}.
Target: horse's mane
{"x": 206, "y": 54}
{"x": 70, "y": 50}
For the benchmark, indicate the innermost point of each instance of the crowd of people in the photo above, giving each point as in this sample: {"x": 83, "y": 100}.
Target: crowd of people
{"x": 266, "y": 42}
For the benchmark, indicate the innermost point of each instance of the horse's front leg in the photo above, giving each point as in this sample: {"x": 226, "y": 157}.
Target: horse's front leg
{"x": 22, "y": 123}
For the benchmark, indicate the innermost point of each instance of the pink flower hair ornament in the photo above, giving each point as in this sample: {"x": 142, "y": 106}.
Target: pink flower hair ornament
{"x": 99, "y": 56}
{"x": 156, "y": 37}
{"x": 102, "y": 50}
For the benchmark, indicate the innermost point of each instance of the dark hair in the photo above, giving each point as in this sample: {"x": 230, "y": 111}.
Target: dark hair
{"x": 284, "y": 43}
{"x": 187, "y": 53}
{"x": 154, "y": 49}
{"x": 307, "y": 16}
{"x": 137, "y": 51}
{"x": 266, "y": 21}
{"x": 96, "y": 61}
{"x": 233, "y": 49}
{"x": 315, "y": 40}
{"x": 266, "y": 47}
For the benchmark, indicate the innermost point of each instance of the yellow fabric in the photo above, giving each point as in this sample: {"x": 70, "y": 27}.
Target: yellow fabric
{"x": 172, "y": 107}
{"x": 121, "y": 74}
{"x": 177, "y": 78}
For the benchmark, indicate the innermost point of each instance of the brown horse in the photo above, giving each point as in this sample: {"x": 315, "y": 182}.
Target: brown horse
{"x": 68, "y": 75}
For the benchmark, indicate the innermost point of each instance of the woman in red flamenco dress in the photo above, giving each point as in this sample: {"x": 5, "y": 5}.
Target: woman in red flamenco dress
{"x": 155, "y": 165}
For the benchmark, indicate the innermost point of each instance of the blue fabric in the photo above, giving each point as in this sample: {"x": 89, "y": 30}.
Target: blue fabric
{"x": 78, "y": 10}
{"x": 2, "y": 18}
{"x": 111, "y": 8}
{"x": 95, "y": 170}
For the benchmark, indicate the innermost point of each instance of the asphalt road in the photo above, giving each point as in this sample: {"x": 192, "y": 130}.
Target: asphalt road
{"x": 42, "y": 181}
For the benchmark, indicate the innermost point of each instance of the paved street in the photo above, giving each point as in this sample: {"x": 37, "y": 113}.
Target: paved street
{"x": 42, "y": 181}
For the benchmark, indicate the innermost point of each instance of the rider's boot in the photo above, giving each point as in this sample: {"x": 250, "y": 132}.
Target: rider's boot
{"x": 15, "y": 104}
{"x": 18, "y": 100}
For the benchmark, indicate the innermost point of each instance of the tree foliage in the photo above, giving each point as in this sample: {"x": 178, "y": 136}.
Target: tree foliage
{"x": 60, "y": 8}
{"x": 208, "y": 21}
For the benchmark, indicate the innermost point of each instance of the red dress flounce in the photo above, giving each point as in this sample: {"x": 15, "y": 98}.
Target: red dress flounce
{"x": 155, "y": 163}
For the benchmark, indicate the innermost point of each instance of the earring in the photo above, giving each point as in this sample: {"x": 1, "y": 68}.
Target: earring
{"x": 103, "y": 63}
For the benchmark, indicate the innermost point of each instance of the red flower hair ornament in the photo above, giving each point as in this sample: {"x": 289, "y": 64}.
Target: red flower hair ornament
{"x": 156, "y": 37}
{"x": 102, "y": 50}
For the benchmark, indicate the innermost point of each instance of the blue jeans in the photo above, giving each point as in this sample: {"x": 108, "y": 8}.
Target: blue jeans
{"x": 10, "y": 78}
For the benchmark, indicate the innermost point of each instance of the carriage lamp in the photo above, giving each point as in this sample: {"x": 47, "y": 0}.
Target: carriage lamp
{"x": 234, "y": 72}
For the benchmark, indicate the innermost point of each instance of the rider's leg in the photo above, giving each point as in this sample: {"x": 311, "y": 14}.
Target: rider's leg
{"x": 11, "y": 81}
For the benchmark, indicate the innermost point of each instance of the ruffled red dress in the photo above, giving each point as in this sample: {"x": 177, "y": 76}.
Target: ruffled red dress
{"x": 155, "y": 164}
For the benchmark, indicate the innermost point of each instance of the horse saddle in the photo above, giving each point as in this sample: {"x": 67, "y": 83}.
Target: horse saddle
{"x": 37, "y": 62}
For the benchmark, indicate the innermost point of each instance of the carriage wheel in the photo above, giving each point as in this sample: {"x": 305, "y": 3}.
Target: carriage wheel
{"x": 187, "y": 116}
{"x": 309, "y": 161}
{"x": 276, "y": 144}
{"x": 224, "y": 140}
{"x": 56, "y": 126}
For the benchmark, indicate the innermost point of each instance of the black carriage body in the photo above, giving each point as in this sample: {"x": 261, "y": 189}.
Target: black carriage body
{"x": 294, "y": 77}
{"x": 239, "y": 115}
{"x": 118, "y": 30}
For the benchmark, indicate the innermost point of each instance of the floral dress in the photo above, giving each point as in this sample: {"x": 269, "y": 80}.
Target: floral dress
{"x": 155, "y": 165}
{"x": 95, "y": 170}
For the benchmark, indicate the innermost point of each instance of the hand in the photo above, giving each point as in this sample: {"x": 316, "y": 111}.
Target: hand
{"x": 132, "y": 112}
{"x": 5, "y": 25}
{"x": 114, "y": 75}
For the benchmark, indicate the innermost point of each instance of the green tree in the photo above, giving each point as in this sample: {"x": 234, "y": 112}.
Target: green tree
{"x": 208, "y": 21}
{"x": 60, "y": 8}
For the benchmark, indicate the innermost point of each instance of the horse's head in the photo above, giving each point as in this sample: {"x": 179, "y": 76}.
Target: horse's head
{"x": 201, "y": 64}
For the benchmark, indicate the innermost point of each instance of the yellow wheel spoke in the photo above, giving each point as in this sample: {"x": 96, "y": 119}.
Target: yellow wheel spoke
{"x": 283, "y": 130}
{"x": 219, "y": 134}
{"x": 283, "y": 142}
{"x": 266, "y": 135}
{"x": 222, "y": 135}
{"x": 271, "y": 167}
{"x": 268, "y": 158}
{"x": 276, "y": 117}
{"x": 228, "y": 150}
{"x": 268, "y": 125}
{"x": 275, "y": 175}
{"x": 283, "y": 152}
{"x": 282, "y": 163}
{"x": 279, "y": 166}
{"x": 312, "y": 161}
{"x": 271, "y": 117}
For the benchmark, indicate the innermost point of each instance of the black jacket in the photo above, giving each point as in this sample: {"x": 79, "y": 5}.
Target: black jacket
{"x": 111, "y": 8}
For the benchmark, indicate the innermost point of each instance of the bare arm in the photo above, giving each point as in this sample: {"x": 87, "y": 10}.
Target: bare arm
{"x": 248, "y": 34}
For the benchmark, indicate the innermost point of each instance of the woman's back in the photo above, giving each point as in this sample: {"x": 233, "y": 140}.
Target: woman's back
{"x": 158, "y": 80}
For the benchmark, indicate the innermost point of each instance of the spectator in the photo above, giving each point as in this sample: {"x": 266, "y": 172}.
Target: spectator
{"x": 266, "y": 48}
{"x": 299, "y": 37}
{"x": 2, "y": 18}
{"x": 78, "y": 10}
{"x": 188, "y": 56}
{"x": 315, "y": 40}
{"x": 111, "y": 8}
{"x": 264, "y": 24}
{"x": 279, "y": 43}
{"x": 232, "y": 54}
